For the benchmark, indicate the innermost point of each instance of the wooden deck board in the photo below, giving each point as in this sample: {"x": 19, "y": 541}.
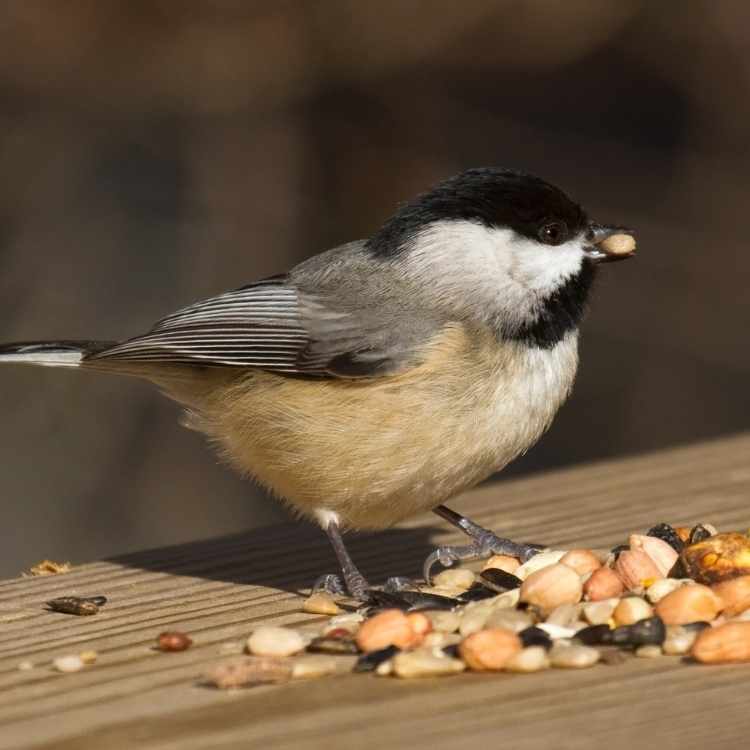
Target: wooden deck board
{"x": 218, "y": 590}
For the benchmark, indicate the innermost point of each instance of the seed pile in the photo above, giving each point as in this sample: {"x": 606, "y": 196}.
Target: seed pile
{"x": 670, "y": 591}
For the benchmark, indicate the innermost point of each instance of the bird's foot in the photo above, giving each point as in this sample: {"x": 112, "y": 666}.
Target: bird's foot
{"x": 329, "y": 583}
{"x": 354, "y": 585}
{"x": 485, "y": 545}
{"x": 399, "y": 583}
{"x": 336, "y": 586}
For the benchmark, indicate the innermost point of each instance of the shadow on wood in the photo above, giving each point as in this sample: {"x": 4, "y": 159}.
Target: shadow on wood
{"x": 290, "y": 557}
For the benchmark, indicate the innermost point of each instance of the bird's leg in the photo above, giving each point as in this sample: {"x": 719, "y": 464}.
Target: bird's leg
{"x": 355, "y": 584}
{"x": 485, "y": 543}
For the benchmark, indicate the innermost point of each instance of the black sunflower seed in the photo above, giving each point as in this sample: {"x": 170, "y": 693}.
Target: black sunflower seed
{"x": 499, "y": 580}
{"x": 667, "y": 534}
{"x": 77, "y": 605}
{"x": 370, "y": 662}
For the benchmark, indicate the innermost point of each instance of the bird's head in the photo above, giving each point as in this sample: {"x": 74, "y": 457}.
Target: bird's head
{"x": 504, "y": 247}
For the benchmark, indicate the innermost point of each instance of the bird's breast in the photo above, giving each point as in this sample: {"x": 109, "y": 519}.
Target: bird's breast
{"x": 380, "y": 450}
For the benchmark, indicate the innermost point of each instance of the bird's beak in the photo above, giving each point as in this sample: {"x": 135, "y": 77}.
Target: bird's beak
{"x": 606, "y": 244}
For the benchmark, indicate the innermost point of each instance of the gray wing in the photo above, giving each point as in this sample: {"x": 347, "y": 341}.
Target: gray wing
{"x": 277, "y": 326}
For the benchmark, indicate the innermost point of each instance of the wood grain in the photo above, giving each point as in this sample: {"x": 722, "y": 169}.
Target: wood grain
{"x": 218, "y": 590}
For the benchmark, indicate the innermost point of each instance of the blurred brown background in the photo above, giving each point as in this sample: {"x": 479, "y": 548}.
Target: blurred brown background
{"x": 155, "y": 151}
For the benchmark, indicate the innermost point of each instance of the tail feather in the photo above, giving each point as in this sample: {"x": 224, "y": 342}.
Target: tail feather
{"x": 51, "y": 353}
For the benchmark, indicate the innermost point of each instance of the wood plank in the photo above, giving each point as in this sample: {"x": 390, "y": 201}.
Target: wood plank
{"x": 218, "y": 590}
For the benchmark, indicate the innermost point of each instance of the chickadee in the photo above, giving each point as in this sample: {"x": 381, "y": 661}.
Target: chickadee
{"x": 378, "y": 379}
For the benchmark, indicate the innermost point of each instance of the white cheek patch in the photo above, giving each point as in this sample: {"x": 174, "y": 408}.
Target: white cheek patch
{"x": 542, "y": 268}
{"x": 495, "y": 274}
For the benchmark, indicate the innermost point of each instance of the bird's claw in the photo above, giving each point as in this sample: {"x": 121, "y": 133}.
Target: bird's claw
{"x": 484, "y": 545}
{"x": 357, "y": 587}
{"x": 329, "y": 583}
{"x": 529, "y": 550}
{"x": 398, "y": 583}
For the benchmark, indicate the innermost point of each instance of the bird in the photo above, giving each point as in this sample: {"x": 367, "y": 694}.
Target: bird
{"x": 379, "y": 379}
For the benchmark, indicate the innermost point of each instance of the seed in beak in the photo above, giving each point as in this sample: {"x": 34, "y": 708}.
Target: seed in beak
{"x": 618, "y": 244}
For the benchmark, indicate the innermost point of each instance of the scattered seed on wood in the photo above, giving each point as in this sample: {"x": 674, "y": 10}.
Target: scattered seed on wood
{"x": 459, "y": 578}
{"x": 618, "y": 550}
{"x": 339, "y": 633}
{"x": 634, "y": 567}
{"x": 331, "y": 645}
{"x": 612, "y": 657}
{"x": 603, "y": 584}
{"x": 556, "y": 632}
{"x": 698, "y": 534}
{"x": 564, "y": 614}
{"x": 565, "y": 609}
{"x": 660, "y": 552}
{"x": 499, "y": 580}
{"x": 349, "y": 621}
{"x": 411, "y": 600}
{"x": 679, "y": 640}
{"x": 77, "y": 605}
{"x": 370, "y": 661}
{"x": 436, "y": 639}
{"x": 659, "y": 589}
{"x": 510, "y": 619}
{"x": 528, "y": 659}
{"x": 535, "y": 636}
{"x": 594, "y": 635}
{"x": 599, "y": 612}
{"x": 723, "y": 644}
{"x": 313, "y": 665}
{"x": 389, "y": 628}
{"x": 173, "y": 640}
{"x": 418, "y": 601}
{"x": 321, "y": 603}
{"x": 632, "y": 609}
{"x": 489, "y": 650}
{"x": 272, "y": 640}
{"x": 551, "y": 586}
{"x": 583, "y": 561}
{"x": 477, "y": 593}
{"x": 648, "y": 631}
{"x": 503, "y": 562}
{"x": 443, "y": 620}
{"x": 734, "y": 595}
{"x": 573, "y": 656}
{"x": 384, "y": 669}
{"x": 425, "y": 663}
{"x": 49, "y": 568}
{"x": 474, "y": 619}
{"x": 346, "y": 619}
{"x": 696, "y": 627}
{"x": 718, "y": 558}
{"x": 683, "y": 532}
{"x": 689, "y": 604}
{"x": 668, "y": 534}
{"x": 71, "y": 663}
{"x": 420, "y": 624}
{"x": 451, "y": 649}
{"x": 539, "y": 561}
{"x": 249, "y": 670}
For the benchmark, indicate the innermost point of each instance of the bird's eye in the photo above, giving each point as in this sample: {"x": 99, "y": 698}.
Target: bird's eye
{"x": 553, "y": 233}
